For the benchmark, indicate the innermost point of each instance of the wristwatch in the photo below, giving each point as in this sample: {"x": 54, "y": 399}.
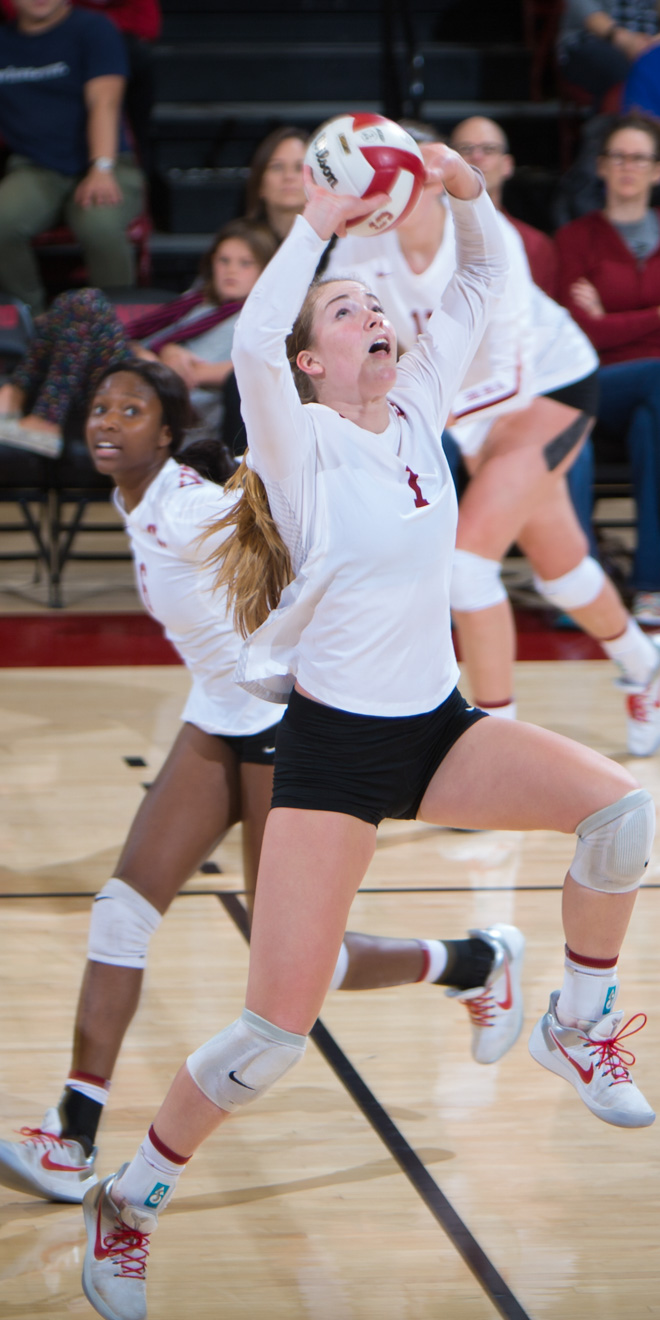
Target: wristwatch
{"x": 105, "y": 164}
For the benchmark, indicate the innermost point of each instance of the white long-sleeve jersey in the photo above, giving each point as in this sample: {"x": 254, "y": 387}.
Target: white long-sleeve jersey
{"x": 369, "y": 519}
{"x": 175, "y": 584}
{"x": 531, "y": 344}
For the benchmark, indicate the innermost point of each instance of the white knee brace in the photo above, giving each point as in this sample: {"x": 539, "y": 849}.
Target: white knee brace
{"x": 121, "y": 926}
{"x": 574, "y": 589}
{"x": 244, "y": 1060}
{"x": 475, "y": 582}
{"x": 614, "y": 845}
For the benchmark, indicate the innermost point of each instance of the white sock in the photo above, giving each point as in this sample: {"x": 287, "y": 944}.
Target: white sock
{"x": 507, "y": 711}
{"x": 341, "y": 968}
{"x": 95, "y": 1088}
{"x": 634, "y": 653}
{"x": 151, "y": 1177}
{"x": 436, "y": 955}
{"x": 588, "y": 991}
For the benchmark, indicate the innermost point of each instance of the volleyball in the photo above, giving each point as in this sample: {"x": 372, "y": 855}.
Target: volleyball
{"x": 363, "y": 155}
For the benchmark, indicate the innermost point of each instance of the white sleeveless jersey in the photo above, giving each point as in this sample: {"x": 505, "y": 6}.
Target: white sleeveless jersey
{"x": 369, "y": 519}
{"x": 531, "y": 345}
{"x": 176, "y": 587}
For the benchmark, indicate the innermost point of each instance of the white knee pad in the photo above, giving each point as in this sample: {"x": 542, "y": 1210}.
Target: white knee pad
{"x": 121, "y": 926}
{"x": 244, "y": 1060}
{"x": 475, "y": 582}
{"x": 574, "y": 589}
{"x": 614, "y": 845}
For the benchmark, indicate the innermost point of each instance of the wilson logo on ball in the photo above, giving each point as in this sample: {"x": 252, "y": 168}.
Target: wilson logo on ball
{"x": 363, "y": 155}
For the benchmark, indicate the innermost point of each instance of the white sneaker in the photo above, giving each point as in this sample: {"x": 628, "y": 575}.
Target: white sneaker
{"x": 496, "y": 1008}
{"x": 47, "y": 1164}
{"x": 593, "y": 1060}
{"x": 643, "y": 711}
{"x": 114, "y": 1269}
{"x": 646, "y": 607}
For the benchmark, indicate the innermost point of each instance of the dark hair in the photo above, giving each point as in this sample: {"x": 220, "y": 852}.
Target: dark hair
{"x": 208, "y": 457}
{"x": 635, "y": 119}
{"x": 254, "y": 207}
{"x": 170, "y": 389}
{"x": 257, "y": 238}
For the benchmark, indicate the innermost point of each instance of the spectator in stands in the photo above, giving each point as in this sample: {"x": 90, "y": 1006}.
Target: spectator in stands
{"x": 484, "y": 143}
{"x": 274, "y": 194}
{"x": 600, "y": 39}
{"x": 139, "y": 21}
{"x": 62, "y": 78}
{"x": 641, "y": 90}
{"x": 81, "y": 334}
{"x": 609, "y": 278}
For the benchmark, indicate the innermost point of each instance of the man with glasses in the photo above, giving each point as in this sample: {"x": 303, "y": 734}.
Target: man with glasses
{"x": 483, "y": 143}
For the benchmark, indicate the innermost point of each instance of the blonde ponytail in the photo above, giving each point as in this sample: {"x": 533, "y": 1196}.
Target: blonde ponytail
{"x": 253, "y": 562}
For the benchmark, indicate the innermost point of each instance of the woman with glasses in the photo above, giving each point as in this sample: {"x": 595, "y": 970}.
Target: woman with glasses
{"x": 609, "y": 278}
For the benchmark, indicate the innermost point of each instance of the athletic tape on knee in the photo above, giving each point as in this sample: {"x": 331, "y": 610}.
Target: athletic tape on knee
{"x": 242, "y": 1062}
{"x": 121, "y": 926}
{"x": 614, "y": 845}
{"x": 575, "y": 589}
{"x": 475, "y": 582}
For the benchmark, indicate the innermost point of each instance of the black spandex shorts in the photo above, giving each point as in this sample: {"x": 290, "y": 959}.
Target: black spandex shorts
{"x": 363, "y": 765}
{"x": 254, "y": 748}
{"x": 583, "y": 394}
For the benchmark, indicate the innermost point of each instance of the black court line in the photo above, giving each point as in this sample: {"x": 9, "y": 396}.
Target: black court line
{"x": 409, "y": 1162}
{"x": 390, "y": 889}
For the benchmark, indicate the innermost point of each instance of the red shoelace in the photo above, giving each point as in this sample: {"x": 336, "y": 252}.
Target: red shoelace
{"x": 481, "y": 1009}
{"x": 640, "y": 707}
{"x": 128, "y": 1248}
{"x": 611, "y": 1056}
{"x": 40, "y": 1138}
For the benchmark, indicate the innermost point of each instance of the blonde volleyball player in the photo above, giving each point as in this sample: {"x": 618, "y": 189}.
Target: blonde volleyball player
{"x": 363, "y": 501}
{"x": 218, "y": 772}
{"x": 519, "y": 419}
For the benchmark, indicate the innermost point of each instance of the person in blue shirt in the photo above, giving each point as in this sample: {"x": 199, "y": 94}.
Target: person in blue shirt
{"x": 62, "y": 79}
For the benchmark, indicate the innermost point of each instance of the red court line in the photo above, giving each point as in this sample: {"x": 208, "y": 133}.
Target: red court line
{"x": 46, "y": 640}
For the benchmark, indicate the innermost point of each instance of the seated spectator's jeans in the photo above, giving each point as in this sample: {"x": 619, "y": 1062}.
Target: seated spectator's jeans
{"x": 630, "y": 405}
{"x": 594, "y": 64}
{"x": 33, "y": 198}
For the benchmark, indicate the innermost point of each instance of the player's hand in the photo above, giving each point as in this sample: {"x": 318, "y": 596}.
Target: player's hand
{"x": 445, "y": 166}
{"x": 328, "y": 213}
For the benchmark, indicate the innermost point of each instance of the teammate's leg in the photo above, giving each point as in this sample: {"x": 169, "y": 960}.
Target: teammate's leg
{"x": 520, "y": 463}
{"x": 567, "y": 576}
{"x": 194, "y": 799}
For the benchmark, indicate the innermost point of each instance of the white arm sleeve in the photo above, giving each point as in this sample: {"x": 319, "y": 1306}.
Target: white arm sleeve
{"x": 499, "y": 376}
{"x": 278, "y": 430}
{"x": 442, "y": 354}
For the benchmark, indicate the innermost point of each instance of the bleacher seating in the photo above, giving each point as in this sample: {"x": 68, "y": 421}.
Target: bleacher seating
{"x": 225, "y": 75}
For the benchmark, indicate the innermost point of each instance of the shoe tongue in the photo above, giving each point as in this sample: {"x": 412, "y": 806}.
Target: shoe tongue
{"x": 52, "y": 1122}
{"x": 141, "y": 1220}
{"x": 607, "y": 1027}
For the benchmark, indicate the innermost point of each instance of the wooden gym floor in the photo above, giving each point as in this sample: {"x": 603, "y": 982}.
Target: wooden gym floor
{"x": 389, "y": 1177}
